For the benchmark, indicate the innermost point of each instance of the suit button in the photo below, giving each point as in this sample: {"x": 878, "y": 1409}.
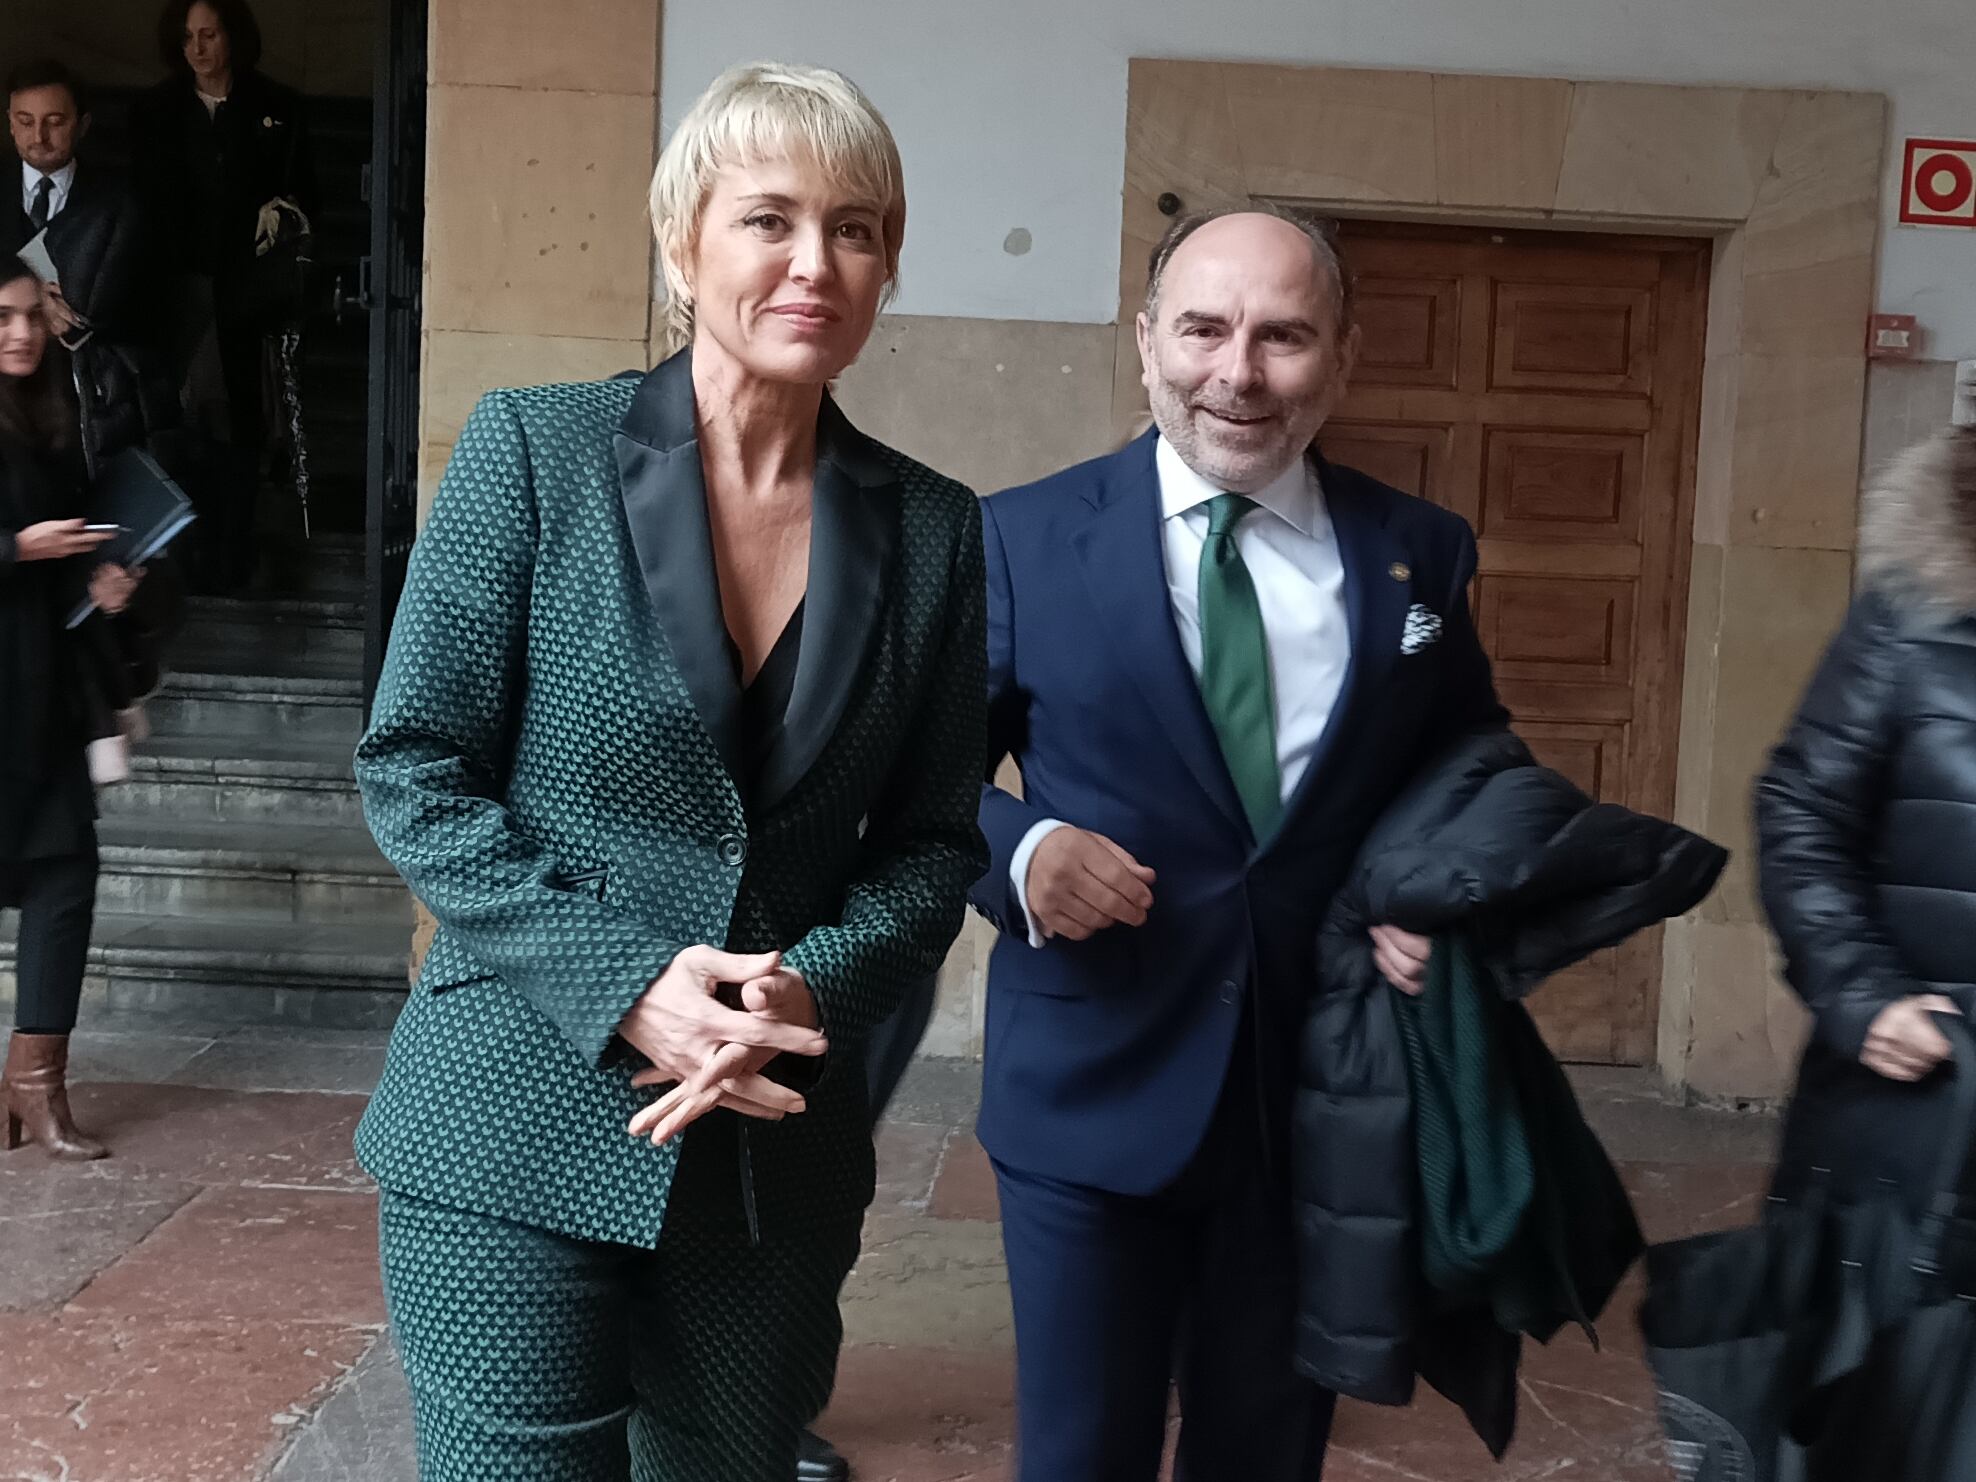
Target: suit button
{"x": 1231, "y": 991}
{"x": 733, "y": 850}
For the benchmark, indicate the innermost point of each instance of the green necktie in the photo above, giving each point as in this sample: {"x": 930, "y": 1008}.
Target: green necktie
{"x": 1235, "y": 668}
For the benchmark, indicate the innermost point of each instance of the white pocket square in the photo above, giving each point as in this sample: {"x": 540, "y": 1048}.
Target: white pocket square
{"x": 1422, "y": 630}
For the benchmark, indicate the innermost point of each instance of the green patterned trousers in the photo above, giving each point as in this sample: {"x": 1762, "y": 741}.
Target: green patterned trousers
{"x": 534, "y": 1357}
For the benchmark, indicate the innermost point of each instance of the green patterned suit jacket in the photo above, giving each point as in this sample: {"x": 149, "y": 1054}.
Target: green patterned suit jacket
{"x": 552, "y": 765}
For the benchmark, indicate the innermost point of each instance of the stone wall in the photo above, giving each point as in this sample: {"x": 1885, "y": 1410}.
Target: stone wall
{"x": 542, "y": 129}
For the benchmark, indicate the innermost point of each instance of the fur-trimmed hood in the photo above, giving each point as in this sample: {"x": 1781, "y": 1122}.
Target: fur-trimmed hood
{"x": 1918, "y": 525}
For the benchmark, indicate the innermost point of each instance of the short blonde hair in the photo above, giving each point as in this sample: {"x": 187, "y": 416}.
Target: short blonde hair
{"x": 770, "y": 111}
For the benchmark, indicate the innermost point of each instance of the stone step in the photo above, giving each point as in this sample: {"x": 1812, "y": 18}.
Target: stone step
{"x": 326, "y": 709}
{"x": 220, "y": 970}
{"x": 237, "y": 780}
{"x": 273, "y": 634}
{"x": 269, "y": 872}
{"x": 194, "y": 654}
{"x": 325, "y": 566}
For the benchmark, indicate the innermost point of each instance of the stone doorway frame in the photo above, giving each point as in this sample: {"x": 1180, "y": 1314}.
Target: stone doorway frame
{"x": 1787, "y": 183}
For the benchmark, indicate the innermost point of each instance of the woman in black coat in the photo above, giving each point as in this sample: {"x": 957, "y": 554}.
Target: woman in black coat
{"x": 1866, "y": 833}
{"x": 222, "y": 154}
{"x": 56, "y": 694}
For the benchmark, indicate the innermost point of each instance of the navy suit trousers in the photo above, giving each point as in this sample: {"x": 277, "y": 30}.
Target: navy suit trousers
{"x": 1118, "y": 1296}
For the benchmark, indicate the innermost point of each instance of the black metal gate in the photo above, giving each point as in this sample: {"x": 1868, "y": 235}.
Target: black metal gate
{"x": 389, "y": 288}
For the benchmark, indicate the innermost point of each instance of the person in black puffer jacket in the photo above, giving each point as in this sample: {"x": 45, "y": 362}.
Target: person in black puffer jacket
{"x": 1536, "y": 876}
{"x": 1866, "y": 836}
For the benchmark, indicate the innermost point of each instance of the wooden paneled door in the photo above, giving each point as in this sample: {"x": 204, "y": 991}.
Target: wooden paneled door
{"x": 1547, "y": 387}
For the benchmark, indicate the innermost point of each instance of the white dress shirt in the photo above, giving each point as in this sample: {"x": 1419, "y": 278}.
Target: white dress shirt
{"x": 31, "y": 179}
{"x": 1292, "y": 555}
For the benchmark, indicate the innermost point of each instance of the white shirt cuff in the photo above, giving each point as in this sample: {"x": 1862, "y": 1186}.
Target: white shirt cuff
{"x": 1019, "y": 872}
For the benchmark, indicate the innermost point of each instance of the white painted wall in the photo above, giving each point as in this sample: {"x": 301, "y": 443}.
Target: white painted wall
{"x": 1011, "y": 113}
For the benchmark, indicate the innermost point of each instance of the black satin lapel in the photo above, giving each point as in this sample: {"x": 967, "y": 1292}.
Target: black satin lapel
{"x": 854, "y": 540}
{"x": 1124, "y": 565}
{"x": 665, "y": 508}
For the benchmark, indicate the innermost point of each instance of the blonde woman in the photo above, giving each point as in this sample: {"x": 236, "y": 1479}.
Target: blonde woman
{"x": 680, "y": 738}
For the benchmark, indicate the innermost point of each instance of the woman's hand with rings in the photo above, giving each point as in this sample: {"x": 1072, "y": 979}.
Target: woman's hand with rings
{"x": 712, "y": 1055}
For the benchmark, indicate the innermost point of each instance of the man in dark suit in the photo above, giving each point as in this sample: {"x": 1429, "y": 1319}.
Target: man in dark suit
{"x": 103, "y": 302}
{"x": 1214, "y": 657}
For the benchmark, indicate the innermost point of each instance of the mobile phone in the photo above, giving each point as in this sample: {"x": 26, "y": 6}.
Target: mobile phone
{"x": 106, "y": 529}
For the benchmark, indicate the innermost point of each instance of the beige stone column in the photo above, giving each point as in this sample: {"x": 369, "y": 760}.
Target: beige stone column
{"x": 1776, "y": 498}
{"x": 542, "y": 134}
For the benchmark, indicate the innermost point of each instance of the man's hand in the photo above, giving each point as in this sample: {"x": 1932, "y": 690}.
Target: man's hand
{"x": 267, "y": 222}
{"x": 56, "y": 540}
{"x": 1402, "y": 958}
{"x": 1904, "y": 1043}
{"x": 61, "y": 318}
{"x": 1080, "y": 883}
{"x": 111, "y": 587}
{"x": 730, "y": 1075}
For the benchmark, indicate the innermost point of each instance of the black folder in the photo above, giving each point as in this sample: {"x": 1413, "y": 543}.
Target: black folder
{"x": 134, "y": 492}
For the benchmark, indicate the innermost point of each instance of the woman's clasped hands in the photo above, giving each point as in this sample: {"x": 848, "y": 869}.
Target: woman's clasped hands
{"x": 712, "y": 1055}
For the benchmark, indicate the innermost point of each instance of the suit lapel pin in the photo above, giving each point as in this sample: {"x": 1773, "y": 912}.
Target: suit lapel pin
{"x": 1400, "y": 571}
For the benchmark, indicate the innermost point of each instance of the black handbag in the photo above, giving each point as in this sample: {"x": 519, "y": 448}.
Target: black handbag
{"x": 1907, "y": 1412}
{"x": 1802, "y": 1347}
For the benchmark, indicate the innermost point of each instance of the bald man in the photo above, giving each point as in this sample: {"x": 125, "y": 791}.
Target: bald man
{"x": 1215, "y": 657}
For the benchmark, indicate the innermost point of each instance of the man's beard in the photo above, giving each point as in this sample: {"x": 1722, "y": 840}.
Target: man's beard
{"x": 1254, "y": 461}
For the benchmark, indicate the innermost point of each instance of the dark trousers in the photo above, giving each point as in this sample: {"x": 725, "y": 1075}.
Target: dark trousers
{"x": 232, "y": 478}
{"x": 888, "y": 1053}
{"x": 219, "y": 359}
{"x": 1118, "y": 1296}
{"x": 893, "y": 1044}
{"x": 537, "y": 1357}
{"x": 58, "y": 905}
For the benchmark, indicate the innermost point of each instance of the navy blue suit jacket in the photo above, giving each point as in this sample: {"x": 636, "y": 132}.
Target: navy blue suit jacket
{"x": 1105, "y": 1058}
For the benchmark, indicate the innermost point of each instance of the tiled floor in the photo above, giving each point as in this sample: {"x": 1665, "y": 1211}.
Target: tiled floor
{"x": 204, "y": 1306}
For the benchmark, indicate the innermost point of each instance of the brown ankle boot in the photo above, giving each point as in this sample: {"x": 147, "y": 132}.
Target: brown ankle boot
{"x": 36, "y": 1098}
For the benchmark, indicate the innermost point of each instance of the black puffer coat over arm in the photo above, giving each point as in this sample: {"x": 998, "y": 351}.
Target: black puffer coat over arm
{"x": 1487, "y": 842}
